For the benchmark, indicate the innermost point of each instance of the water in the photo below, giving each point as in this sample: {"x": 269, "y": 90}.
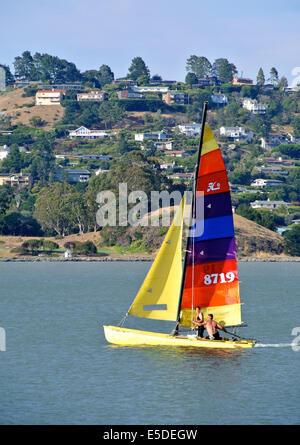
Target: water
{"x": 58, "y": 368}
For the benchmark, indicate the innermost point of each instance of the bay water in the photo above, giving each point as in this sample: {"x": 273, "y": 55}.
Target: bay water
{"x": 58, "y": 368}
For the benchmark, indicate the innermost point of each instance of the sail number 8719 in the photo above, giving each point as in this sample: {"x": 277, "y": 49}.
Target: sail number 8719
{"x": 215, "y": 278}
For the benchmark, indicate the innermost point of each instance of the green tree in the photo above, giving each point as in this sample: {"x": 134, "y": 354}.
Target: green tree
{"x": 292, "y": 240}
{"x": 53, "y": 210}
{"x": 25, "y": 67}
{"x": 19, "y": 224}
{"x": 224, "y": 70}
{"x": 260, "y": 79}
{"x": 111, "y": 112}
{"x": 273, "y": 76}
{"x": 137, "y": 69}
{"x": 191, "y": 79}
{"x": 105, "y": 75}
{"x": 9, "y": 78}
{"x": 14, "y": 161}
{"x": 296, "y": 126}
{"x": 201, "y": 66}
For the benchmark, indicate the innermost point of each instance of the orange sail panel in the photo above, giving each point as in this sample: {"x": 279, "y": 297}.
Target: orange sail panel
{"x": 211, "y": 275}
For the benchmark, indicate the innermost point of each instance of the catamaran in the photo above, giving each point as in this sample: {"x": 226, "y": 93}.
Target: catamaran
{"x": 209, "y": 276}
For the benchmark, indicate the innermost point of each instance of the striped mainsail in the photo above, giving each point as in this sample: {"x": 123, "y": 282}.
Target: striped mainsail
{"x": 210, "y": 275}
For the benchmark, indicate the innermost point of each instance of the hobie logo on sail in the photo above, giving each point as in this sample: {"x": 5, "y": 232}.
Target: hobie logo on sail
{"x": 213, "y": 186}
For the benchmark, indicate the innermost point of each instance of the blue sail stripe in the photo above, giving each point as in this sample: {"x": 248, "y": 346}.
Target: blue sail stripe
{"x": 213, "y": 228}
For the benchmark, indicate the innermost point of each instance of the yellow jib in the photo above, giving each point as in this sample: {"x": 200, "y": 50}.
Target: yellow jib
{"x": 159, "y": 295}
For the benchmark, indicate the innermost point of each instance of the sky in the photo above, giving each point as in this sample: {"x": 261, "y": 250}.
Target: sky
{"x": 90, "y": 33}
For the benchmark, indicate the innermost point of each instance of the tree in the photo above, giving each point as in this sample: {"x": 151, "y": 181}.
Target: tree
{"x": 19, "y": 224}
{"x": 191, "y": 79}
{"x": 282, "y": 83}
{"x": 296, "y": 126}
{"x": 137, "y": 69}
{"x": 261, "y": 126}
{"x": 14, "y": 162}
{"x": 224, "y": 70}
{"x": 45, "y": 67}
{"x": 25, "y": 67}
{"x": 292, "y": 240}
{"x": 111, "y": 112}
{"x": 260, "y": 79}
{"x": 105, "y": 75}
{"x": 9, "y": 78}
{"x": 273, "y": 76}
{"x": 201, "y": 66}
{"x": 53, "y": 210}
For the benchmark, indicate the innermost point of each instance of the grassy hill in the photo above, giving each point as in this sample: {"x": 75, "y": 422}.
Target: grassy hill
{"x": 22, "y": 109}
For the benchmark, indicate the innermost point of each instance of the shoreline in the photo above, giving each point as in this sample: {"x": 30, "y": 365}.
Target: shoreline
{"x": 274, "y": 259}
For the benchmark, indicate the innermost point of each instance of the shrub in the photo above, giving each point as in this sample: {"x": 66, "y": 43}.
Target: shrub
{"x": 85, "y": 248}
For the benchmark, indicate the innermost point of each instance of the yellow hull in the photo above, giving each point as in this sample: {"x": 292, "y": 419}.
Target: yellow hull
{"x": 133, "y": 337}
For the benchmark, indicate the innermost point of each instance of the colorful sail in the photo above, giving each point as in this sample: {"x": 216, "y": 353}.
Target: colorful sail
{"x": 158, "y": 298}
{"x": 211, "y": 276}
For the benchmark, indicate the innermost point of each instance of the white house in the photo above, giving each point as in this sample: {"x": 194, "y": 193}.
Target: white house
{"x": 92, "y": 95}
{"x": 154, "y": 136}
{"x": 260, "y": 182}
{"x": 272, "y": 141}
{"x": 154, "y": 89}
{"x": 164, "y": 145}
{"x": 85, "y": 133}
{"x": 271, "y": 205}
{"x": 190, "y": 129}
{"x": 219, "y": 99}
{"x": 49, "y": 97}
{"x": 4, "y": 152}
{"x": 254, "y": 107}
{"x": 239, "y": 134}
{"x": 167, "y": 165}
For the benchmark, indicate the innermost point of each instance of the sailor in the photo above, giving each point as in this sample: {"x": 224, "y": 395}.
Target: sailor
{"x": 199, "y": 318}
{"x": 212, "y": 328}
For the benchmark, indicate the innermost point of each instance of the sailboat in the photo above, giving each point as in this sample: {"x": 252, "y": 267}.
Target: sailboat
{"x": 209, "y": 276}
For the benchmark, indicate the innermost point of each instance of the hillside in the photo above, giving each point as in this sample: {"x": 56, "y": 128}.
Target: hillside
{"x": 20, "y": 109}
{"x": 252, "y": 240}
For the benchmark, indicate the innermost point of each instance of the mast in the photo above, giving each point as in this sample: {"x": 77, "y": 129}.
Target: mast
{"x": 197, "y": 166}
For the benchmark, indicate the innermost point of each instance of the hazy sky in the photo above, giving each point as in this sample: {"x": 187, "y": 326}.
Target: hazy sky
{"x": 260, "y": 33}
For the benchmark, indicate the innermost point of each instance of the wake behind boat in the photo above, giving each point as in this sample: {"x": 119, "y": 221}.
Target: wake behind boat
{"x": 209, "y": 277}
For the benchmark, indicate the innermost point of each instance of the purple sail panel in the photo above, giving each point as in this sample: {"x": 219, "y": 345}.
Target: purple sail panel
{"x": 212, "y": 250}
{"x": 217, "y": 205}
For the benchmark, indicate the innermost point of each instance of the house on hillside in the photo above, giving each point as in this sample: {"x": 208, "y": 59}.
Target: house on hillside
{"x": 190, "y": 129}
{"x": 241, "y": 81}
{"x": 175, "y": 97}
{"x": 49, "y": 97}
{"x": 237, "y": 134}
{"x": 219, "y": 99}
{"x": 177, "y": 153}
{"x": 85, "y": 133}
{"x": 154, "y": 136}
{"x": 150, "y": 90}
{"x": 72, "y": 175}
{"x": 272, "y": 141}
{"x": 92, "y": 95}
{"x": 129, "y": 93}
{"x": 15, "y": 179}
{"x": 4, "y": 152}
{"x": 261, "y": 182}
{"x": 164, "y": 145}
{"x": 254, "y": 107}
{"x": 271, "y": 205}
